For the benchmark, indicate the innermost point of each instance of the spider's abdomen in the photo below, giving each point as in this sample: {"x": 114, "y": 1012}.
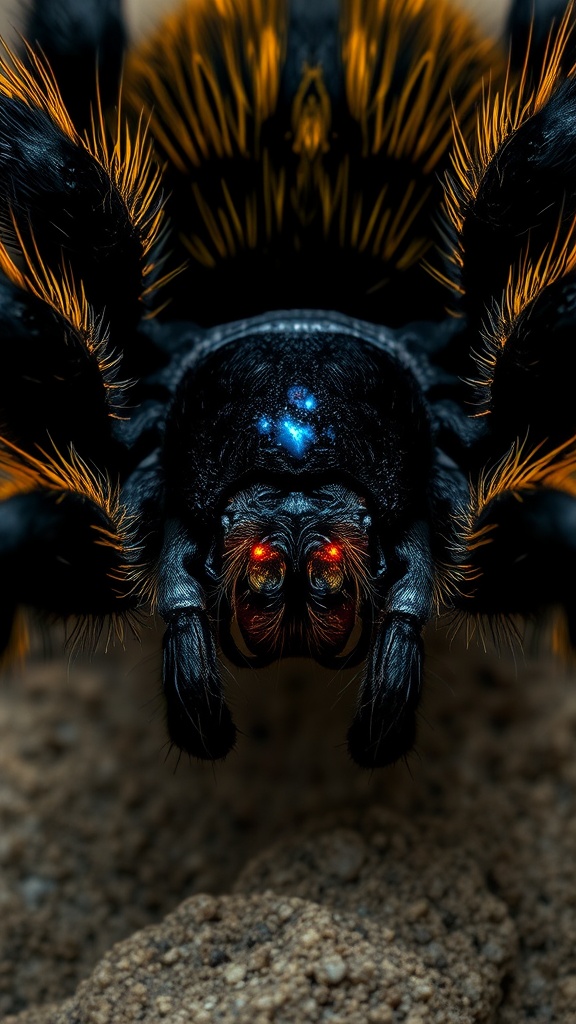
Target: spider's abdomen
{"x": 305, "y": 145}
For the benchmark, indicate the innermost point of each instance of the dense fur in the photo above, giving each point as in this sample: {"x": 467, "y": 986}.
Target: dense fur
{"x": 325, "y": 478}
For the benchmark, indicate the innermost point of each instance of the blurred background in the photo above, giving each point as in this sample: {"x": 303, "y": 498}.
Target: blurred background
{"x": 143, "y": 14}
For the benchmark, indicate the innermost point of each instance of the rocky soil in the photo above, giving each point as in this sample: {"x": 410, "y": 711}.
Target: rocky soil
{"x": 285, "y": 884}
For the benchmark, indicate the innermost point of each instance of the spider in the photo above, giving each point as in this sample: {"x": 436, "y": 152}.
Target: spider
{"x": 231, "y": 388}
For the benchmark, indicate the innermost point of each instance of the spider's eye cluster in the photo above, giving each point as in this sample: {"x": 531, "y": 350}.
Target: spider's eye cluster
{"x": 326, "y": 570}
{"x": 266, "y": 569}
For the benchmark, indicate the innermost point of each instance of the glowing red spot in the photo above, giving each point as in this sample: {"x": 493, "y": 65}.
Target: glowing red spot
{"x": 332, "y": 552}
{"x": 261, "y": 551}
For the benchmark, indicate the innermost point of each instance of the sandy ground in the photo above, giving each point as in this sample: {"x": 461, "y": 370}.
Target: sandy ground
{"x": 456, "y": 870}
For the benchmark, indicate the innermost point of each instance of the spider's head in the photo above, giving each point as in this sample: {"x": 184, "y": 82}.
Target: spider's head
{"x": 296, "y": 571}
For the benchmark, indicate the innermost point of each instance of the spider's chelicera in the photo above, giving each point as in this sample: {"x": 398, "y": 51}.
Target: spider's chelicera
{"x": 231, "y": 391}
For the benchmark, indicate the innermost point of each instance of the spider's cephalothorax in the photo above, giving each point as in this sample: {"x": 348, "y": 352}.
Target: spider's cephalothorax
{"x": 230, "y": 388}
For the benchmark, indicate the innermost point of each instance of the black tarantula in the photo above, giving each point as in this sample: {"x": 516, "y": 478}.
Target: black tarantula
{"x": 253, "y": 217}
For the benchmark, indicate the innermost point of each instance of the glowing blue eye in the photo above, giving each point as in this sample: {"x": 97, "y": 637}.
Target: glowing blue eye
{"x": 302, "y": 398}
{"x": 296, "y": 437}
{"x": 264, "y": 425}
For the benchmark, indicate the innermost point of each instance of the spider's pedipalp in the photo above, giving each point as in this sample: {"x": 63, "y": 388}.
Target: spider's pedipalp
{"x": 198, "y": 718}
{"x": 384, "y": 726}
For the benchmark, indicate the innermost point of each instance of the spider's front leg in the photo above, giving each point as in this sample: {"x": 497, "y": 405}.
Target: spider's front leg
{"x": 515, "y": 198}
{"x": 75, "y": 250}
{"x": 517, "y": 540}
{"x": 81, "y": 210}
{"x": 69, "y": 544}
{"x": 384, "y": 727}
{"x": 58, "y": 552}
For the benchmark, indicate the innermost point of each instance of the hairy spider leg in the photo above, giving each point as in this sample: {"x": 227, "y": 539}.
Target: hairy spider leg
{"x": 513, "y": 541}
{"x": 81, "y": 211}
